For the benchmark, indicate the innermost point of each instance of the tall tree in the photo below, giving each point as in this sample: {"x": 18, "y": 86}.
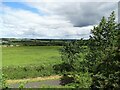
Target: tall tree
{"x": 102, "y": 58}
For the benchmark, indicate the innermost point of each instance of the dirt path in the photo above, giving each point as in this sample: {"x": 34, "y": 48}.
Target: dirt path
{"x": 36, "y": 82}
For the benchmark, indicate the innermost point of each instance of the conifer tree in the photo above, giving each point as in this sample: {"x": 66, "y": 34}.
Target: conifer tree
{"x": 103, "y": 61}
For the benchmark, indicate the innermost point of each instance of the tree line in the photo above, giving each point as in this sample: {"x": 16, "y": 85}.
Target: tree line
{"x": 37, "y": 42}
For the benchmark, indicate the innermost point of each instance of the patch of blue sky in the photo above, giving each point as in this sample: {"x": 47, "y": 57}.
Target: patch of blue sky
{"x": 1, "y": 11}
{"x": 22, "y": 5}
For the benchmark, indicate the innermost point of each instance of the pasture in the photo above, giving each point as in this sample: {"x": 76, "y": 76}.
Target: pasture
{"x": 30, "y": 61}
{"x": 27, "y": 55}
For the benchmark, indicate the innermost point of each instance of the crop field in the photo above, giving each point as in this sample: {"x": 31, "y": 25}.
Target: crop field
{"x": 29, "y": 61}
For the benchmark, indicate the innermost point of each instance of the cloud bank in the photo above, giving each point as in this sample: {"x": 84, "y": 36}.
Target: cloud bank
{"x": 71, "y": 20}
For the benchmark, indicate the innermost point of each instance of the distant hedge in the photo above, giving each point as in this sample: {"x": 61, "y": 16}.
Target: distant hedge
{"x": 41, "y": 42}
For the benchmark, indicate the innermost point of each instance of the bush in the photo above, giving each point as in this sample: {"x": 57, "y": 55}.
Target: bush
{"x": 20, "y": 72}
{"x": 73, "y": 67}
{"x": 77, "y": 79}
{"x": 3, "y": 82}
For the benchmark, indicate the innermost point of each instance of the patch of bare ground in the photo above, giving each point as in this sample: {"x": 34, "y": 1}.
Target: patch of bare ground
{"x": 34, "y": 79}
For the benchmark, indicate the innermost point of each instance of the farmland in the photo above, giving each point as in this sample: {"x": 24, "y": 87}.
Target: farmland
{"x": 30, "y": 55}
{"x": 29, "y": 61}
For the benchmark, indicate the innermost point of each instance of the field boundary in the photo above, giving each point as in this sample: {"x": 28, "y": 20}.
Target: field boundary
{"x": 33, "y": 79}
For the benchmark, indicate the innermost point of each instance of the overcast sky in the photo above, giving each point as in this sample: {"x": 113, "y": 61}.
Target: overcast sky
{"x": 52, "y": 20}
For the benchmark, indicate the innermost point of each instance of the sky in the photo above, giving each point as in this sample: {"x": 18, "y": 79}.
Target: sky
{"x": 51, "y": 20}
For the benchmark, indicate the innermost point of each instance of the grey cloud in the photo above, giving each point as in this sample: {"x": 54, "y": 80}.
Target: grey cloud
{"x": 85, "y": 13}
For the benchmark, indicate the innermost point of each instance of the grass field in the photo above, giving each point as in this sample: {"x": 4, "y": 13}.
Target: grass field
{"x": 30, "y": 61}
{"x": 30, "y": 55}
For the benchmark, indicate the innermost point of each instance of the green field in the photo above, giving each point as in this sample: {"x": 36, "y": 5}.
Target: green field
{"x": 30, "y": 61}
{"x": 30, "y": 55}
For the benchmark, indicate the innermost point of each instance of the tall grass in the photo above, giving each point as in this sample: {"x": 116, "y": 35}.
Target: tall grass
{"x": 30, "y": 71}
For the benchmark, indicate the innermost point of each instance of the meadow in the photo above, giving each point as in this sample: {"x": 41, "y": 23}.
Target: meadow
{"x": 26, "y": 55}
{"x": 30, "y": 61}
